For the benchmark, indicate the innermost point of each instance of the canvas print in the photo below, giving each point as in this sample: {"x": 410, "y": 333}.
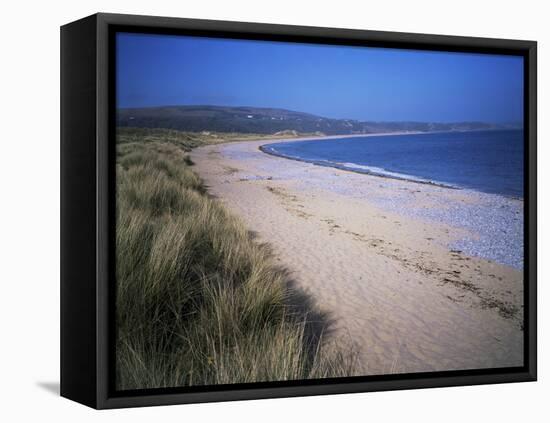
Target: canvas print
{"x": 291, "y": 211}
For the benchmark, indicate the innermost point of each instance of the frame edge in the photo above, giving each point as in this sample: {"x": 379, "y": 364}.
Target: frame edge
{"x": 78, "y": 240}
{"x": 104, "y": 400}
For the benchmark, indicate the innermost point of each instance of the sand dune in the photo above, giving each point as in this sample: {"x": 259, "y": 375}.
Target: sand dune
{"x": 392, "y": 285}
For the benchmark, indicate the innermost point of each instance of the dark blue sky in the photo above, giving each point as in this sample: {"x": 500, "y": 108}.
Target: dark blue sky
{"x": 331, "y": 81}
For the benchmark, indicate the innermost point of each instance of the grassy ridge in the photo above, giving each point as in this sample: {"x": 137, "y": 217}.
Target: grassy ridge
{"x": 199, "y": 302}
{"x": 189, "y": 140}
{"x": 262, "y": 120}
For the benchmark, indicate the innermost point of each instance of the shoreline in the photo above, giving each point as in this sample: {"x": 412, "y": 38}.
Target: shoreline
{"x": 345, "y": 136}
{"x": 410, "y": 178}
{"x": 369, "y": 134}
{"x": 394, "y": 283}
{"x": 498, "y": 213}
{"x": 263, "y": 149}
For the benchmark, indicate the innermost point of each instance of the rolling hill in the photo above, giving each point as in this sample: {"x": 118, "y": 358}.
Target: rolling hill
{"x": 270, "y": 121}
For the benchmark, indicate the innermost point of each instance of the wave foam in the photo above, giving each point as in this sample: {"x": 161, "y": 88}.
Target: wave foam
{"x": 359, "y": 168}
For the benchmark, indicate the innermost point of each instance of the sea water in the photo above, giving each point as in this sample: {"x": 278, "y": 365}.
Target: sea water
{"x": 488, "y": 161}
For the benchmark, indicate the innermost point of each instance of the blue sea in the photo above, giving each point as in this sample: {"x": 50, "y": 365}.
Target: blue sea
{"x": 487, "y": 161}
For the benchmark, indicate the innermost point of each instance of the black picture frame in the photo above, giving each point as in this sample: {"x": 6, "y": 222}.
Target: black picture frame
{"x": 87, "y": 210}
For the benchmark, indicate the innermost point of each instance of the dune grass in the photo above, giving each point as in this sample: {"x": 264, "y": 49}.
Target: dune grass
{"x": 198, "y": 300}
{"x": 190, "y": 140}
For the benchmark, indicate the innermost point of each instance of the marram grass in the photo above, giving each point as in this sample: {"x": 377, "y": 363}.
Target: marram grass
{"x": 198, "y": 301}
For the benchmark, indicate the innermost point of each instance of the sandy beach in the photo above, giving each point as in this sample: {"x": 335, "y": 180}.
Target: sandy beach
{"x": 405, "y": 270}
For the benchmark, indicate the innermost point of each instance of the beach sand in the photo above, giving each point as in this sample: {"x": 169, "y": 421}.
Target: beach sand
{"x": 371, "y": 254}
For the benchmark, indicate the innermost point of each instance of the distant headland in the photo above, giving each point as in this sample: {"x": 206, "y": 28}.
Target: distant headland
{"x": 271, "y": 121}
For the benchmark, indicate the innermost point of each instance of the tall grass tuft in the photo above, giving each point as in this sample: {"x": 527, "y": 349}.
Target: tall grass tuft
{"x": 198, "y": 301}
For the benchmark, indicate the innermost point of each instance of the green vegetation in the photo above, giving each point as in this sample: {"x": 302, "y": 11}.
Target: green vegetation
{"x": 189, "y": 140}
{"x": 198, "y": 301}
{"x": 267, "y": 121}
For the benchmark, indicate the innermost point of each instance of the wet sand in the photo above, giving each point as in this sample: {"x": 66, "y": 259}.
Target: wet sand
{"x": 371, "y": 253}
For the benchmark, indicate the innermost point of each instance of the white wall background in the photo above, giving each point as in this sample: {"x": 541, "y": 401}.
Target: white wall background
{"x": 29, "y": 198}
